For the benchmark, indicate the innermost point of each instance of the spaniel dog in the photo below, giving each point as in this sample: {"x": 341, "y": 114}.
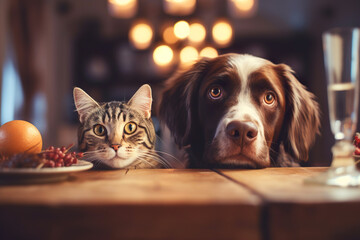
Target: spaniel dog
{"x": 240, "y": 111}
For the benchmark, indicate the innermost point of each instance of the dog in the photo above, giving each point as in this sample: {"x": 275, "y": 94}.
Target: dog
{"x": 240, "y": 111}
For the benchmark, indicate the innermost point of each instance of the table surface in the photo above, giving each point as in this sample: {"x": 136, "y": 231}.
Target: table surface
{"x": 272, "y": 203}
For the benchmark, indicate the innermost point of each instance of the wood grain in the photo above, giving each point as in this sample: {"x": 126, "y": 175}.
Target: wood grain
{"x": 150, "y": 186}
{"x": 142, "y": 204}
{"x": 287, "y": 185}
{"x": 294, "y": 210}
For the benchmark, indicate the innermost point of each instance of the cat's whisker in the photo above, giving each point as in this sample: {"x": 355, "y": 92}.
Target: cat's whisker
{"x": 164, "y": 164}
{"x": 178, "y": 162}
{"x": 155, "y": 153}
{"x": 91, "y": 158}
{"x": 145, "y": 161}
{"x": 153, "y": 156}
{"x": 171, "y": 156}
{"x": 91, "y": 153}
{"x": 159, "y": 138}
{"x": 157, "y": 158}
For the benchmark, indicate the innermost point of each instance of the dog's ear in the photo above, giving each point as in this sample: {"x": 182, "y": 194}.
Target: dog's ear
{"x": 176, "y": 107}
{"x": 302, "y": 117}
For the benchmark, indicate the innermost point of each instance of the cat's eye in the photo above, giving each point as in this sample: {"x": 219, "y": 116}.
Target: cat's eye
{"x": 269, "y": 98}
{"x": 99, "y": 130}
{"x": 215, "y": 93}
{"x": 130, "y": 128}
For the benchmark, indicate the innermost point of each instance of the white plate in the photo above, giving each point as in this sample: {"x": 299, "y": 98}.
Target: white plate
{"x": 42, "y": 175}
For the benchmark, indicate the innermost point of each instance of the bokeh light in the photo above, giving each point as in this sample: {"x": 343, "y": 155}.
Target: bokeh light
{"x": 169, "y": 36}
{"x": 188, "y": 55}
{"x": 141, "y": 35}
{"x": 209, "y": 52}
{"x": 181, "y": 29}
{"x": 197, "y": 33}
{"x": 163, "y": 55}
{"x": 222, "y": 33}
{"x": 123, "y": 8}
{"x": 244, "y": 5}
{"x": 179, "y": 7}
{"x": 242, "y": 8}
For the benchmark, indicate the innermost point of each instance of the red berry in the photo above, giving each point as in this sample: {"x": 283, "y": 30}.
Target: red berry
{"x": 57, "y": 164}
{"x": 357, "y": 151}
{"x": 58, "y": 157}
{"x": 357, "y": 140}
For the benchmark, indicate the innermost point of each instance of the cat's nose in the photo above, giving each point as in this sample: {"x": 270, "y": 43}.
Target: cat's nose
{"x": 115, "y": 147}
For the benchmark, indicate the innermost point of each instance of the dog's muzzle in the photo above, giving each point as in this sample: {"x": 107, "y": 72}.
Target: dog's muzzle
{"x": 241, "y": 133}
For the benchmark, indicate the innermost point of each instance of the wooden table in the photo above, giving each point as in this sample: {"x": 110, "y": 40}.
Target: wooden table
{"x": 271, "y": 203}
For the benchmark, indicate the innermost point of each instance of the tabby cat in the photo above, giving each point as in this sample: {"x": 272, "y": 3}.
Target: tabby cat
{"x": 118, "y": 134}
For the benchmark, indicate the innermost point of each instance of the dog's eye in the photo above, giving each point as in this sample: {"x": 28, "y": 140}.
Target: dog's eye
{"x": 215, "y": 93}
{"x": 269, "y": 98}
{"x": 130, "y": 128}
{"x": 99, "y": 130}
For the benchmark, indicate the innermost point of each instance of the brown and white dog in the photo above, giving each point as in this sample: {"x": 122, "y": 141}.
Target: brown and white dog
{"x": 240, "y": 111}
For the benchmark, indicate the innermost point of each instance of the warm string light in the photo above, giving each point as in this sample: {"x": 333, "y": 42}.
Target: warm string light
{"x": 208, "y": 52}
{"x": 197, "y": 33}
{"x": 123, "y": 8}
{"x": 244, "y": 5}
{"x": 179, "y": 7}
{"x": 163, "y": 55}
{"x": 169, "y": 36}
{"x": 222, "y": 33}
{"x": 141, "y": 35}
{"x": 188, "y": 55}
{"x": 242, "y": 8}
{"x": 181, "y": 29}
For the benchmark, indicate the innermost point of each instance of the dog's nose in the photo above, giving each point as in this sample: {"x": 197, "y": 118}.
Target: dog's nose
{"x": 242, "y": 132}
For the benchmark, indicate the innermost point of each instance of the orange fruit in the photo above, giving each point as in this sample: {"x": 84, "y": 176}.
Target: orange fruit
{"x": 19, "y": 136}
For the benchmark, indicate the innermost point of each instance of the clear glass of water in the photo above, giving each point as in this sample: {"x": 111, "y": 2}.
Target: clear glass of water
{"x": 341, "y": 56}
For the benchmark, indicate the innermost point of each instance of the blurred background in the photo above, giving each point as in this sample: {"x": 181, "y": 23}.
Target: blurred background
{"x": 110, "y": 48}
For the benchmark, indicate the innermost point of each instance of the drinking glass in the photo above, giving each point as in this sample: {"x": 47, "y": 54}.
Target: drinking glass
{"x": 341, "y": 56}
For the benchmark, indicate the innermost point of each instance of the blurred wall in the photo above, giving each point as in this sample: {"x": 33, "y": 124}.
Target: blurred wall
{"x": 3, "y": 24}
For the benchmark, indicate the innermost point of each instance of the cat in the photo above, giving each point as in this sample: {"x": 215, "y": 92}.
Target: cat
{"x": 118, "y": 134}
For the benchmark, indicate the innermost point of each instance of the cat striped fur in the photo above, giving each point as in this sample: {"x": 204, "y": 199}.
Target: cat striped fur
{"x": 118, "y": 134}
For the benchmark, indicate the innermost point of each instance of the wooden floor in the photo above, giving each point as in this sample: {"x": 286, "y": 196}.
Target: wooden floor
{"x": 271, "y": 203}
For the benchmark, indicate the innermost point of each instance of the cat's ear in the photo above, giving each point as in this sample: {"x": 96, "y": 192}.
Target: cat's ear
{"x": 83, "y": 103}
{"x": 142, "y": 100}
